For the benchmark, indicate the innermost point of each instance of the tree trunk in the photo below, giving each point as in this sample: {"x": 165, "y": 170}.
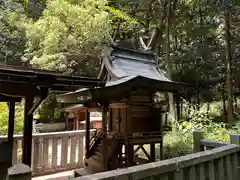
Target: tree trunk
{"x": 224, "y": 103}
{"x": 168, "y": 62}
{"x": 228, "y": 63}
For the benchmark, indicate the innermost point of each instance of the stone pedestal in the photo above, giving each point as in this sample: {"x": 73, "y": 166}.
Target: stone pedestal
{"x": 19, "y": 171}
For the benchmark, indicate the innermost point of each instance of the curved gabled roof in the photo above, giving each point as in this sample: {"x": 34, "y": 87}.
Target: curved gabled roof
{"x": 122, "y": 70}
{"x": 124, "y": 64}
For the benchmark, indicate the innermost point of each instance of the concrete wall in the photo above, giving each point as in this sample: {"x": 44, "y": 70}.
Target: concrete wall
{"x": 50, "y": 127}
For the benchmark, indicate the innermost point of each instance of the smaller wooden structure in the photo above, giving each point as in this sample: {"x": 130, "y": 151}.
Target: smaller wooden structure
{"x": 75, "y": 117}
{"x": 132, "y": 79}
{"x": 95, "y": 121}
{"x": 33, "y": 85}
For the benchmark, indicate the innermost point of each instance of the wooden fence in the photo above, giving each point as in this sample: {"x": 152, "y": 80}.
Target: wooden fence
{"x": 220, "y": 161}
{"x": 52, "y": 152}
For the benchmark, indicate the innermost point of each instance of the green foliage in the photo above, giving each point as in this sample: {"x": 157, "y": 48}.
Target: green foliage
{"x": 11, "y": 37}
{"x": 181, "y": 136}
{"x": 18, "y": 122}
{"x": 67, "y": 33}
{"x": 49, "y": 109}
{"x": 119, "y": 14}
{"x": 126, "y": 21}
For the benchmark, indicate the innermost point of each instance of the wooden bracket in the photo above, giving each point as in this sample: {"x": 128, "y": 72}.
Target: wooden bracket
{"x": 44, "y": 93}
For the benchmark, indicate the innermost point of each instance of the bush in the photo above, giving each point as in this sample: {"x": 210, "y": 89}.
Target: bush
{"x": 19, "y": 118}
{"x": 49, "y": 110}
{"x": 202, "y": 119}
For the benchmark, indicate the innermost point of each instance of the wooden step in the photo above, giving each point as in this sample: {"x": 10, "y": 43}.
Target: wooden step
{"x": 98, "y": 148}
{"x": 94, "y": 166}
{"x": 97, "y": 153}
{"x": 97, "y": 158}
{"x": 81, "y": 172}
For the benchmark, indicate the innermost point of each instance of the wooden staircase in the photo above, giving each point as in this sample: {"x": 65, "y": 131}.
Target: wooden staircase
{"x": 94, "y": 162}
{"x": 114, "y": 148}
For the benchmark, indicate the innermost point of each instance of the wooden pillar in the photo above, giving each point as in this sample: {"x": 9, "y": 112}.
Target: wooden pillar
{"x": 120, "y": 154}
{"x": 197, "y": 137}
{"x": 128, "y": 147}
{"x": 74, "y": 121}
{"x": 62, "y": 115}
{"x": 152, "y": 151}
{"x": 105, "y": 146}
{"x": 27, "y": 134}
{"x": 62, "y": 111}
{"x": 161, "y": 150}
{"x": 66, "y": 123}
{"x": 181, "y": 108}
{"x": 178, "y": 98}
{"x": 77, "y": 120}
{"x": 87, "y": 134}
{"x": 130, "y": 154}
{"x": 11, "y": 123}
{"x": 162, "y": 115}
{"x": 110, "y": 121}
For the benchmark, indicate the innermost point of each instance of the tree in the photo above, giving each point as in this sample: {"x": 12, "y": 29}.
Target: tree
{"x": 68, "y": 35}
{"x": 168, "y": 61}
{"x": 11, "y": 37}
{"x": 228, "y": 61}
{"x": 49, "y": 110}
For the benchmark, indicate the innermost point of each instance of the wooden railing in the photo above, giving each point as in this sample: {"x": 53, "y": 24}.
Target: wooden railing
{"x": 52, "y": 152}
{"x": 211, "y": 144}
{"x": 216, "y": 164}
{"x": 212, "y": 160}
{"x": 201, "y": 144}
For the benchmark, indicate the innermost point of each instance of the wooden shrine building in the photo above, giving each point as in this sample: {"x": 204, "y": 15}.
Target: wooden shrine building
{"x": 76, "y": 115}
{"x": 129, "y": 116}
{"x": 33, "y": 85}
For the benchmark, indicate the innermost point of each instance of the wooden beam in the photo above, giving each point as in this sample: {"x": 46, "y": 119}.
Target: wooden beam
{"x": 136, "y": 150}
{"x": 5, "y": 98}
{"x": 43, "y": 77}
{"x": 23, "y": 89}
{"x": 11, "y": 124}
{"x": 43, "y": 95}
{"x": 27, "y": 134}
{"x": 118, "y": 91}
{"x": 145, "y": 152}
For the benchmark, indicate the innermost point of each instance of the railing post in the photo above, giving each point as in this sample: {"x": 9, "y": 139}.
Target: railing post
{"x": 19, "y": 171}
{"x": 197, "y": 137}
{"x": 235, "y": 138}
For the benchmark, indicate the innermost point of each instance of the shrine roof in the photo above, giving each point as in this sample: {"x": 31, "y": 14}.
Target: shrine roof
{"x": 125, "y": 69}
{"x": 124, "y": 64}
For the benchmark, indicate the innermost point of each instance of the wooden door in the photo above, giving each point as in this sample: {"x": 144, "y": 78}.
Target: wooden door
{"x": 119, "y": 116}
